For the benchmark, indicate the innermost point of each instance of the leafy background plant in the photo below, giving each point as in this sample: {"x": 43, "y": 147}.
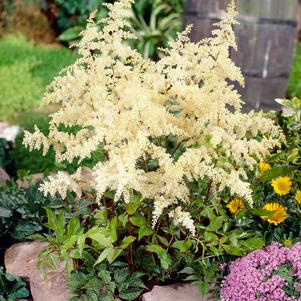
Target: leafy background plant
{"x": 25, "y": 70}
{"x": 12, "y": 288}
{"x": 294, "y": 86}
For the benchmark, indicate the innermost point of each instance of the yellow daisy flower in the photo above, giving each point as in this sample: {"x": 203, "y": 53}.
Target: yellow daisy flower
{"x": 282, "y": 185}
{"x": 287, "y": 243}
{"x": 235, "y": 206}
{"x": 279, "y": 215}
{"x": 298, "y": 197}
{"x": 263, "y": 167}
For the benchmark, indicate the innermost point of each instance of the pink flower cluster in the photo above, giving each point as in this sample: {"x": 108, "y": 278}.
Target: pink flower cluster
{"x": 253, "y": 277}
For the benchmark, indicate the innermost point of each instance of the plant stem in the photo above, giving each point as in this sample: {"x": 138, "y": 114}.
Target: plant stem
{"x": 131, "y": 246}
{"x": 208, "y": 191}
{"x": 176, "y": 148}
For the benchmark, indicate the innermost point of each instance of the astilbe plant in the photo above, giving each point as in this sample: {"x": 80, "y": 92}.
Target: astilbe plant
{"x": 127, "y": 104}
{"x": 273, "y": 273}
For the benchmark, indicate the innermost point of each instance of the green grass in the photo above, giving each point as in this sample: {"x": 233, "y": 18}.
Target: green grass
{"x": 25, "y": 71}
{"x": 294, "y": 85}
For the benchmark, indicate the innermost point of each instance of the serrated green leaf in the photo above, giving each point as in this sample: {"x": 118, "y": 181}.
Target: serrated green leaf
{"x": 133, "y": 205}
{"x": 187, "y": 270}
{"x": 73, "y": 227}
{"x": 113, "y": 228}
{"x": 101, "y": 216}
{"x": 215, "y": 224}
{"x": 253, "y": 243}
{"x": 71, "y": 34}
{"x": 262, "y": 212}
{"x": 81, "y": 243}
{"x": 182, "y": 245}
{"x": 138, "y": 220}
{"x": 135, "y": 282}
{"x": 127, "y": 241}
{"x": 105, "y": 276}
{"x": 276, "y": 172}
{"x": 233, "y": 250}
{"x": 98, "y": 235}
{"x": 163, "y": 240}
{"x": 210, "y": 237}
{"x": 144, "y": 231}
{"x": 165, "y": 259}
{"x": 104, "y": 254}
{"x": 113, "y": 254}
{"x": 120, "y": 275}
{"x": 130, "y": 294}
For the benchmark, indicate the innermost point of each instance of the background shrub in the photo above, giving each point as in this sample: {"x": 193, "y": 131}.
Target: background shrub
{"x": 294, "y": 86}
{"x": 25, "y": 70}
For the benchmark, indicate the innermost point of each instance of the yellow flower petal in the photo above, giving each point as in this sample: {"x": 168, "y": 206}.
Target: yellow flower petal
{"x": 279, "y": 215}
{"x": 298, "y": 197}
{"x": 263, "y": 167}
{"x": 282, "y": 185}
{"x": 235, "y": 206}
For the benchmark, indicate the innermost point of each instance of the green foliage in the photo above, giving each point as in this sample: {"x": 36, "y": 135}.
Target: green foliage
{"x": 74, "y": 13}
{"x": 25, "y": 70}
{"x": 4, "y": 153}
{"x": 286, "y": 272}
{"x": 12, "y": 288}
{"x": 21, "y": 211}
{"x": 156, "y": 27}
{"x": 154, "y": 22}
{"x": 294, "y": 85}
{"x": 33, "y": 162}
{"x": 123, "y": 233}
{"x": 105, "y": 282}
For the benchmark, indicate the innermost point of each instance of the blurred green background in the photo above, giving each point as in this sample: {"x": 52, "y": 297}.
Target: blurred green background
{"x": 35, "y": 35}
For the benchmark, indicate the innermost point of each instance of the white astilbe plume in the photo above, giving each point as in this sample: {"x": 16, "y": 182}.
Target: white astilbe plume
{"x": 127, "y": 103}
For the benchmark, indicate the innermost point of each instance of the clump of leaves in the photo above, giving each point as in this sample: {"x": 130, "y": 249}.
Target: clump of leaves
{"x": 106, "y": 283}
{"x": 113, "y": 234}
{"x": 287, "y": 272}
{"x": 12, "y": 288}
{"x": 21, "y": 211}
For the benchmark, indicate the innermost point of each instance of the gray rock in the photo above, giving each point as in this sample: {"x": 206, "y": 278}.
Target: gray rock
{"x": 21, "y": 260}
{"x": 9, "y": 132}
{"x": 176, "y": 292}
{"x": 30, "y": 180}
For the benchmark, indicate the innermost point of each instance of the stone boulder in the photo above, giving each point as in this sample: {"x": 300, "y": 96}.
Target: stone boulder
{"x": 175, "y": 292}
{"x": 9, "y": 132}
{"x": 30, "y": 180}
{"x": 21, "y": 260}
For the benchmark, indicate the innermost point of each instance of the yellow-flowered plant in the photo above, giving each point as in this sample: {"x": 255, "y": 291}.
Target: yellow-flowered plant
{"x": 279, "y": 213}
{"x": 282, "y": 185}
{"x": 236, "y": 205}
{"x": 263, "y": 167}
{"x": 127, "y": 103}
{"x": 287, "y": 243}
{"x": 298, "y": 197}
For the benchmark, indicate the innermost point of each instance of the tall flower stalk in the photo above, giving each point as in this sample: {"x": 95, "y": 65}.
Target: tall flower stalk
{"x": 128, "y": 105}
